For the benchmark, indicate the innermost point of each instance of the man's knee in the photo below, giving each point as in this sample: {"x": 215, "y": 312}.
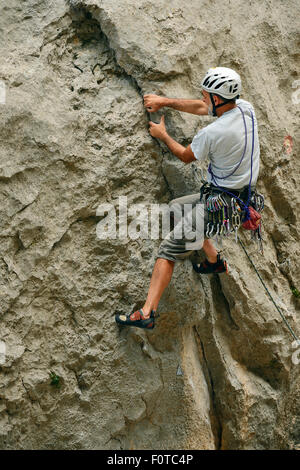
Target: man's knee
{"x": 162, "y": 260}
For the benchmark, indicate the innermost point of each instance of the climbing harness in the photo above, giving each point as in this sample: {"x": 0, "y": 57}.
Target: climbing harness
{"x": 270, "y": 296}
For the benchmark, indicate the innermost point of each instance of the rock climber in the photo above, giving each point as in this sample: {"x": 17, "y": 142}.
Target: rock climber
{"x": 232, "y": 173}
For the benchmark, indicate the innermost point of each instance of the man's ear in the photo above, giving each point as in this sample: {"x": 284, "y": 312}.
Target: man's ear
{"x": 217, "y": 100}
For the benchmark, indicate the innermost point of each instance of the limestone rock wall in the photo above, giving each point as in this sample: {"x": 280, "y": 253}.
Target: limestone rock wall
{"x": 217, "y": 371}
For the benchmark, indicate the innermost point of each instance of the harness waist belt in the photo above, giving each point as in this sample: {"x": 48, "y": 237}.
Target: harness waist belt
{"x": 234, "y": 191}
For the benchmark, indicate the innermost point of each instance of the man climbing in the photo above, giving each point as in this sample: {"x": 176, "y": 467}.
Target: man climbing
{"x": 231, "y": 143}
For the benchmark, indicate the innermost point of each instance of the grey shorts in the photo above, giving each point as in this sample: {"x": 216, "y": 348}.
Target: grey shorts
{"x": 173, "y": 248}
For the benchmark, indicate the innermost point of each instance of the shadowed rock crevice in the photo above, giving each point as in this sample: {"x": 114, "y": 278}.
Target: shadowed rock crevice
{"x": 215, "y": 420}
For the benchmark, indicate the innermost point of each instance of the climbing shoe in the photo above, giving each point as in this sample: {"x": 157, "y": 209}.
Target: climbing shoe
{"x": 137, "y": 319}
{"x": 208, "y": 268}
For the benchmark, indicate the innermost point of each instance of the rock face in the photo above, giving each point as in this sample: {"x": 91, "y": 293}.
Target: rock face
{"x": 219, "y": 371}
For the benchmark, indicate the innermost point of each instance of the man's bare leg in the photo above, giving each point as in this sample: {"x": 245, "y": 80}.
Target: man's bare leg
{"x": 210, "y": 251}
{"x": 161, "y": 276}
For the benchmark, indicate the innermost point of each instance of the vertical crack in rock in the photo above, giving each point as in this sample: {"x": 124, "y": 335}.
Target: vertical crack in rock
{"x": 216, "y": 423}
{"x": 171, "y": 192}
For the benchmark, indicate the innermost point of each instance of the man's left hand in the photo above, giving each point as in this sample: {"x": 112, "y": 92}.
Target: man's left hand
{"x": 158, "y": 130}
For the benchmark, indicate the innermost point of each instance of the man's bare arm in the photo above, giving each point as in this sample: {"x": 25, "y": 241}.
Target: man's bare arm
{"x": 197, "y": 107}
{"x": 159, "y": 131}
{"x": 184, "y": 154}
{"x": 154, "y": 102}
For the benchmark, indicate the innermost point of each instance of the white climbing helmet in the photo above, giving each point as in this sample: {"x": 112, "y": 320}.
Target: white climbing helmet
{"x": 223, "y": 82}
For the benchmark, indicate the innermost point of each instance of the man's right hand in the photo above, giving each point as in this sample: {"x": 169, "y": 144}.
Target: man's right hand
{"x": 153, "y": 103}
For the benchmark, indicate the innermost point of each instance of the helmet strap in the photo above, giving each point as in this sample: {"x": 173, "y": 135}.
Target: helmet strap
{"x": 218, "y": 105}
{"x": 213, "y": 105}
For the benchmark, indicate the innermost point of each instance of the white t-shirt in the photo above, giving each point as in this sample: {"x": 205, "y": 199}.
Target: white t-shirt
{"x": 223, "y": 142}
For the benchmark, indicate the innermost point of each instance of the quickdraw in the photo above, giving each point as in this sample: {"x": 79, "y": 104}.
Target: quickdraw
{"x": 218, "y": 217}
{"x": 257, "y": 202}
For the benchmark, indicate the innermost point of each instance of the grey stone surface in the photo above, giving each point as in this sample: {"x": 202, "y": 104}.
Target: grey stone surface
{"x": 74, "y": 135}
